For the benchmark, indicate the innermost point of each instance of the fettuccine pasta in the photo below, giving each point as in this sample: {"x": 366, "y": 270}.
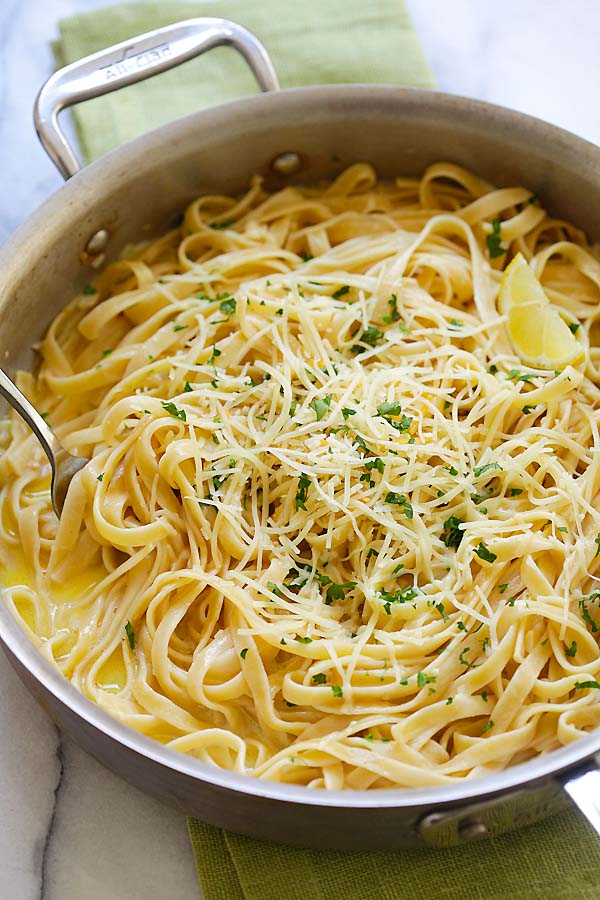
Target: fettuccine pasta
{"x": 332, "y": 532}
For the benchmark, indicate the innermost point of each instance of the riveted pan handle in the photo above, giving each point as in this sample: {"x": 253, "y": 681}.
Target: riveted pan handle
{"x": 132, "y": 61}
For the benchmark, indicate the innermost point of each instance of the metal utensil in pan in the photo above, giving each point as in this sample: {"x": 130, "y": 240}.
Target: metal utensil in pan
{"x": 63, "y": 464}
{"x": 287, "y": 135}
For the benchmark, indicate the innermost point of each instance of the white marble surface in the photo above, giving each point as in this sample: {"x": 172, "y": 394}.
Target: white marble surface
{"x": 69, "y": 829}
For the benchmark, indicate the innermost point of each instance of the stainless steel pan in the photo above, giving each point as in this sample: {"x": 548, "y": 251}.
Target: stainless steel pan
{"x": 303, "y": 135}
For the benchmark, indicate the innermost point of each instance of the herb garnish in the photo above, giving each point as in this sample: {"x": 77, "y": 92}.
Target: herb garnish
{"x": 337, "y": 691}
{"x": 479, "y": 470}
{"x": 393, "y": 315}
{"x": 400, "y": 500}
{"x": 340, "y": 292}
{"x": 130, "y": 634}
{"x": 319, "y": 678}
{"x": 464, "y": 661}
{"x": 211, "y": 359}
{"x": 174, "y": 410}
{"x": 304, "y": 483}
{"x": 483, "y": 553}
{"x": 371, "y": 336}
{"x": 585, "y": 613}
{"x": 494, "y": 240}
{"x": 228, "y": 308}
{"x": 452, "y": 533}
{"x": 572, "y": 650}
{"x": 219, "y": 226}
{"x": 321, "y": 406}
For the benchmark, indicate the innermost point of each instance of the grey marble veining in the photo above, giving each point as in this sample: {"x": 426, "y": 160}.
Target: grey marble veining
{"x": 70, "y": 830}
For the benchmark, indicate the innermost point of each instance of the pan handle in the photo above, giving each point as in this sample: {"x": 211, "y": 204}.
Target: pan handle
{"x": 132, "y": 61}
{"x": 583, "y": 787}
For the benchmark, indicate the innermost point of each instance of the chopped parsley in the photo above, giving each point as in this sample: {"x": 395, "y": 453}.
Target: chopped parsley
{"x": 130, "y": 634}
{"x": 274, "y": 588}
{"x": 582, "y": 685}
{"x": 89, "y": 290}
{"x": 227, "y": 307}
{"x": 211, "y": 359}
{"x": 106, "y": 352}
{"x": 340, "y": 292}
{"x": 337, "y": 591}
{"x": 304, "y": 256}
{"x": 490, "y": 724}
{"x": 402, "y": 595}
{"x": 400, "y": 500}
{"x": 517, "y": 375}
{"x": 597, "y": 542}
{"x": 479, "y": 470}
{"x": 465, "y": 662}
{"x": 502, "y": 587}
{"x": 494, "y": 240}
{"x": 393, "y": 408}
{"x": 483, "y": 553}
{"x": 304, "y": 640}
{"x": 370, "y": 336}
{"x": 449, "y": 701}
{"x": 321, "y": 406}
{"x": 514, "y": 492}
{"x": 338, "y": 692}
{"x": 452, "y": 533}
{"x": 187, "y": 388}
{"x": 174, "y": 410}
{"x": 393, "y": 314}
{"x": 347, "y": 412}
{"x": 585, "y": 612}
{"x": 319, "y": 678}
{"x": 243, "y": 652}
{"x": 376, "y": 463}
{"x": 179, "y": 327}
{"x": 304, "y": 484}
{"x": 574, "y": 327}
{"x": 219, "y": 226}
{"x": 423, "y": 678}
{"x": 572, "y": 650}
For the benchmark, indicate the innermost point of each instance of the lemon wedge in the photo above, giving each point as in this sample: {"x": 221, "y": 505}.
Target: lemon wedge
{"x": 538, "y": 334}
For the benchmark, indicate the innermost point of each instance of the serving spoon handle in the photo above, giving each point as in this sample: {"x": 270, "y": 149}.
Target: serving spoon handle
{"x": 64, "y": 464}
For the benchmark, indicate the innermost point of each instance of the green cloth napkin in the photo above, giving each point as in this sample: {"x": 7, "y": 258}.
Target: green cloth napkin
{"x": 557, "y": 859}
{"x": 318, "y": 42}
{"x": 310, "y": 42}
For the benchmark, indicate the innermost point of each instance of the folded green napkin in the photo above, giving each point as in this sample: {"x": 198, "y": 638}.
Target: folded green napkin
{"x": 318, "y": 42}
{"x": 311, "y": 42}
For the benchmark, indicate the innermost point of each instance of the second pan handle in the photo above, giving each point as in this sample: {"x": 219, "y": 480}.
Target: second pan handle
{"x": 132, "y": 61}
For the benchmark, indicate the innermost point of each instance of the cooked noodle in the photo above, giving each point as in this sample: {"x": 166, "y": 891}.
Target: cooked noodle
{"x": 333, "y": 532}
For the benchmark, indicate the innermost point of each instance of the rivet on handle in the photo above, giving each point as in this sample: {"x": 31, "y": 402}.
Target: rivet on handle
{"x": 287, "y": 163}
